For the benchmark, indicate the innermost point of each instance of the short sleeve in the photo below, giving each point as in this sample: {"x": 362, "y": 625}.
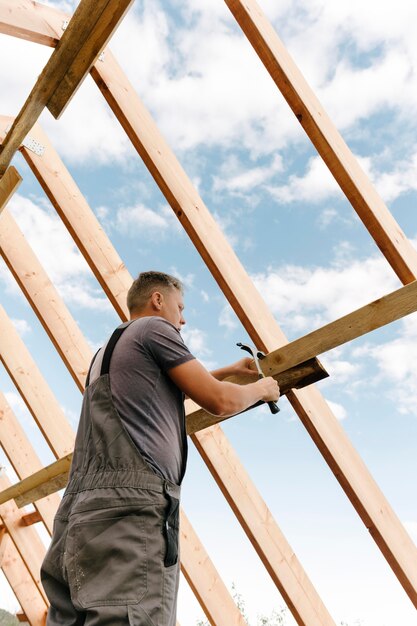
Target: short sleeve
{"x": 165, "y": 344}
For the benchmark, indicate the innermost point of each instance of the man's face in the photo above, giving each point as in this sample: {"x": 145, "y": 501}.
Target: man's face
{"x": 172, "y": 307}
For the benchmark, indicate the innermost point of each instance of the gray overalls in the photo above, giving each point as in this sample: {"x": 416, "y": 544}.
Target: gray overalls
{"x": 113, "y": 559}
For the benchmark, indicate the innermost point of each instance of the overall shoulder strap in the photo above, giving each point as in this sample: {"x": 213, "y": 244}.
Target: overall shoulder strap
{"x": 105, "y": 364}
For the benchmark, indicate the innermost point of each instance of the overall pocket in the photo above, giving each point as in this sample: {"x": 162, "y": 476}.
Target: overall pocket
{"x": 107, "y": 560}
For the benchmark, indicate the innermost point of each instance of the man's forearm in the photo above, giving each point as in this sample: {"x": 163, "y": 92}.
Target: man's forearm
{"x": 223, "y": 372}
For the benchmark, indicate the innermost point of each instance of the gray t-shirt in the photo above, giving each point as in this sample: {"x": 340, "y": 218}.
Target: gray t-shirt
{"x": 150, "y": 405}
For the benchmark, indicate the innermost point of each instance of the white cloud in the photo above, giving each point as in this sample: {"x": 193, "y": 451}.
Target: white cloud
{"x": 16, "y": 403}
{"x": 57, "y": 253}
{"x": 22, "y": 326}
{"x": 304, "y": 298}
{"x": 139, "y": 219}
{"x": 411, "y": 528}
{"x": 227, "y": 318}
{"x": 196, "y": 340}
{"x": 338, "y": 410}
{"x": 397, "y": 363}
{"x": 237, "y": 179}
{"x": 315, "y": 186}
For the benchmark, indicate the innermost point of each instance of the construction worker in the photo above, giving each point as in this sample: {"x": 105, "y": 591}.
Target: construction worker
{"x": 113, "y": 559}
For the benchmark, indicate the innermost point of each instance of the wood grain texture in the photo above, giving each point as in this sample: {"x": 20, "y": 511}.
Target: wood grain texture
{"x": 25, "y": 590}
{"x": 34, "y": 390}
{"x": 8, "y": 185}
{"x": 23, "y": 458}
{"x": 79, "y": 219}
{"x": 44, "y": 299}
{"x": 345, "y": 168}
{"x": 39, "y": 484}
{"x": 88, "y": 31}
{"x": 25, "y": 538}
{"x": 211, "y": 592}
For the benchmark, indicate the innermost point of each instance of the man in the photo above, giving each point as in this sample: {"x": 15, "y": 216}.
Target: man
{"x": 113, "y": 558}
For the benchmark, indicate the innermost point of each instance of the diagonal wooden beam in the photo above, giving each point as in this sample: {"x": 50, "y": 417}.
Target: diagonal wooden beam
{"x": 89, "y": 30}
{"x": 39, "y": 399}
{"x": 353, "y": 181}
{"x": 24, "y": 459}
{"x": 21, "y": 582}
{"x": 8, "y": 185}
{"x": 25, "y": 538}
{"x": 17, "y": 254}
{"x": 79, "y": 219}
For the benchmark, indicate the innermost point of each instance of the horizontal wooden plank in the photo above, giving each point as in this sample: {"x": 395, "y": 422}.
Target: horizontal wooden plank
{"x": 370, "y": 317}
{"x": 44, "y": 482}
{"x": 8, "y": 185}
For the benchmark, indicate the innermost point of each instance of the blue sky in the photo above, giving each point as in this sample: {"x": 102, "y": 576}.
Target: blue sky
{"x": 295, "y": 233}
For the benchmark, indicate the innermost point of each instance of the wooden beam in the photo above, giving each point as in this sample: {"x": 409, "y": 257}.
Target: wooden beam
{"x": 8, "y": 185}
{"x": 211, "y": 592}
{"x": 22, "y": 617}
{"x": 37, "y": 288}
{"x": 24, "y": 459}
{"x": 25, "y": 590}
{"x": 34, "y": 390}
{"x": 353, "y": 181}
{"x": 368, "y": 318}
{"x": 32, "y": 518}
{"x": 77, "y": 216}
{"x": 3, "y": 541}
{"x": 25, "y": 538}
{"x": 32, "y": 21}
{"x": 312, "y": 409}
{"x": 89, "y": 30}
{"x": 40, "y": 484}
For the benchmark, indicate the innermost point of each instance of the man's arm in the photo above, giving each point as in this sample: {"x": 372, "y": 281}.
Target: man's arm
{"x": 222, "y": 399}
{"x": 239, "y": 368}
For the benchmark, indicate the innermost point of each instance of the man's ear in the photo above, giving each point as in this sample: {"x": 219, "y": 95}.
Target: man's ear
{"x": 157, "y": 300}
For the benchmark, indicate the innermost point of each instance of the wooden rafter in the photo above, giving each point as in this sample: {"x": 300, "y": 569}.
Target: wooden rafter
{"x": 21, "y": 582}
{"x": 89, "y": 30}
{"x": 353, "y": 181}
{"x": 8, "y": 185}
{"x": 36, "y": 394}
{"x": 24, "y": 459}
{"x": 25, "y": 538}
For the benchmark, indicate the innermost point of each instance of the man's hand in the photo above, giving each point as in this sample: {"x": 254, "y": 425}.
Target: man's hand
{"x": 239, "y": 368}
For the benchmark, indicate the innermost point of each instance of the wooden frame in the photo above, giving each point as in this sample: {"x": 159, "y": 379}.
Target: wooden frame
{"x": 87, "y": 33}
{"x": 236, "y": 285}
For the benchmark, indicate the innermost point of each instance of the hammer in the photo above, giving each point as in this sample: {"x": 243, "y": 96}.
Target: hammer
{"x": 257, "y": 354}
